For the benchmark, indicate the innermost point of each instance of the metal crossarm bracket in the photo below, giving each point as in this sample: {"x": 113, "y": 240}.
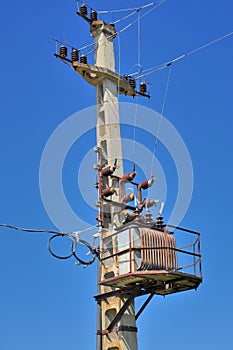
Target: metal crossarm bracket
{"x": 123, "y": 309}
{"x": 144, "y": 305}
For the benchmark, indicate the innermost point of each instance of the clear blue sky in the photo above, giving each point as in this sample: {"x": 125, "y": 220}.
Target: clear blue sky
{"x": 47, "y": 303}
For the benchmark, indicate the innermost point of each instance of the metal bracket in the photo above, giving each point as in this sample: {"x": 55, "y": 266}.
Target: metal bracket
{"x": 144, "y": 306}
{"x": 123, "y": 309}
{"x": 111, "y": 327}
{"x": 121, "y": 328}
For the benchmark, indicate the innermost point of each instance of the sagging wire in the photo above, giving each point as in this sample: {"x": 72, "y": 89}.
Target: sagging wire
{"x": 32, "y": 230}
{"x": 75, "y": 241}
{"x": 160, "y": 121}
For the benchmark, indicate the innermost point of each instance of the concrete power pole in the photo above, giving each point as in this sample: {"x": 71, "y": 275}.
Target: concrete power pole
{"x": 109, "y": 142}
{"x": 138, "y": 255}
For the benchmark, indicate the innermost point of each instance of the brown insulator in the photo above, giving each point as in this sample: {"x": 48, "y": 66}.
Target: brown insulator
{"x": 107, "y": 192}
{"x": 129, "y": 176}
{"x": 143, "y": 88}
{"x": 126, "y": 77}
{"x": 132, "y": 82}
{"x": 108, "y": 170}
{"x": 63, "y": 51}
{"x": 146, "y": 184}
{"x": 83, "y": 10}
{"x": 93, "y": 16}
{"x": 83, "y": 59}
{"x": 128, "y": 198}
{"x": 74, "y": 55}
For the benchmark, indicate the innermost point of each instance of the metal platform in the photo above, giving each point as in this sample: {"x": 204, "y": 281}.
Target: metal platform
{"x": 148, "y": 258}
{"x": 156, "y": 282}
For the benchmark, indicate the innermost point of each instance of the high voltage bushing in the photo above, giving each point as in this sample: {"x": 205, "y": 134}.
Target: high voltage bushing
{"x": 74, "y": 55}
{"x": 159, "y": 222}
{"x": 107, "y": 192}
{"x": 129, "y": 176}
{"x": 93, "y": 16}
{"x": 143, "y": 88}
{"x": 132, "y": 83}
{"x": 83, "y": 59}
{"x": 83, "y": 10}
{"x": 63, "y": 51}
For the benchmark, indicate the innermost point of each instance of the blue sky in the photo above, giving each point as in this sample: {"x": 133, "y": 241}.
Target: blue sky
{"x": 46, "y": 302}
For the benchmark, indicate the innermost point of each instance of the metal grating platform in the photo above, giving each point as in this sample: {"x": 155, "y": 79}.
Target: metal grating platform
{"x": 157, "y": 282}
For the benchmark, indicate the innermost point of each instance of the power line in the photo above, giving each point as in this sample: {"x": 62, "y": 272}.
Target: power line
{"x": 129, "y": 9}
{"x": 154, "y": 69}
{"x": 33, "y": 230}
{"x": 75, "y": 241}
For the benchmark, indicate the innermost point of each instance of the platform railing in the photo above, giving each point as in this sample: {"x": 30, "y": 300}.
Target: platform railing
{"x": 171, "y": 249}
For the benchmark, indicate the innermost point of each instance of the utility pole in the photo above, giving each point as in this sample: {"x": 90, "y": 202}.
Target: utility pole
{"x": 137, "y": 254}
{"x": 109, "y": 142}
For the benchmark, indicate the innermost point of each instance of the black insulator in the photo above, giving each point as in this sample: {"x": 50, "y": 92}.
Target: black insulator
{"x": 159, "y": 222}
{"x": 93, "y": 16}
{"x": 112, "y": 24}
{"x": 143, "y": 88}
{"x": 83, "y": 59}
{"x": 74, "y": 55}
{"x": 132, "y": 82}
{"x": 63, "y": 51}
{"x": 126, "y": 77}
{"x": 83, "y": 10}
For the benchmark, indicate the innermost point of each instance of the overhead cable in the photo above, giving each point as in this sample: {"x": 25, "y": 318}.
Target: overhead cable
{"x": 129, "y": 9}
{"x": 154, "y": 69}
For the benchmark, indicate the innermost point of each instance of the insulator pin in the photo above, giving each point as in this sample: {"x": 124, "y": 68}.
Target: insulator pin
{"x": 128, "y": 198}
{"x": 93, "y": 16}
{"x": 107, "y": 192}
{"x": 83, "y": 10}
{"x": 83, "y": 59}
{"x": 108, "y": 170}
{"x": 143, "y": 88}
{"x": 63, "y": 51}
{"x": 74, "y": 55}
